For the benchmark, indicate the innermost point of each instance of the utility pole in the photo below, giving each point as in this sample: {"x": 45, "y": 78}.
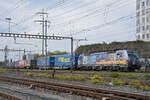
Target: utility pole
{"x": 72, "y": 54}
{"x": 9, "y": 29}
{"x": 46, "y": 29}
{"x": 19, "y": 54}
{"x": 44, "y": 22}
{"x": 43, "y": 26}
{"x": 6, "y": 54}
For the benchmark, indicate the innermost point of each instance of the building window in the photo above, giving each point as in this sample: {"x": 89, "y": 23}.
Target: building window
{"x": 147, "y": 11}
{"x": 147, "y": 19}
{"x": 148, "y": 36}
{"x": 147, "y": 27}
{"x": 143, "y": 36}
{"x": 143, "y": 12}
{"x": 147, "y": 2}
{"x": 143, "y": 4}
{"x": 143, "y": 20}
{"x": 138, "y": 37}
{"x": 138, "y": 5}
{"x": 143, "y": 28}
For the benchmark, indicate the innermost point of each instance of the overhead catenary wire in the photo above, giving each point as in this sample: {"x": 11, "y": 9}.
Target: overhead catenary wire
{"x": 23, "y": 20}
{"x": 85, "y": 30}
{"x": 118, "y": 20}
{"x": 87, "y": 5}
{"x": 12, "y": 8}
{"x": 16, "y": 7}
{"x": 99, "y": 11}
{"x": 76, "y": 8}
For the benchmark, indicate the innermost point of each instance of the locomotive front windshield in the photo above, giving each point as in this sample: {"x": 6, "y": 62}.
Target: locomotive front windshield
{"x": 133, "y": 56}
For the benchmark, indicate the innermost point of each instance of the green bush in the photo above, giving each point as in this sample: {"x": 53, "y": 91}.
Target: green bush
{"x": 135, "y": 84}
{"x": 147, "y": 76}
{"x": 145, "y": 87}
{"x": 114, "y": 75}
{"x": 39, "y": 75}
{"x": 2, "y": 70}
{"x": 70, "y": 78}
{"x": 97, "y": 79}
{"x": 28, "y": 74}
{"x": 118, "y": 82}
{"x": 131, "y": 76}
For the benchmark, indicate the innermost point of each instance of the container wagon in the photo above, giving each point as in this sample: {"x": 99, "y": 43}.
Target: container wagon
{"x": 31, "y": 64}
{"x": 64, "y": 61}
{"x": 43, "y": 64}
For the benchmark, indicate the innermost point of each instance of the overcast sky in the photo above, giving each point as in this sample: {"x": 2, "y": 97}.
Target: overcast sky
{"x": 97, "y": 20}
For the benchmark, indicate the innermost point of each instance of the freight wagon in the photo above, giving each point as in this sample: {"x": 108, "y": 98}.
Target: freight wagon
{"x": 64, "y": 61}
{"x": 19, "y": 64}
{"x": 45, "y": 62}
{"x": 11, "y": 65}
{"x": 31, "y": 64}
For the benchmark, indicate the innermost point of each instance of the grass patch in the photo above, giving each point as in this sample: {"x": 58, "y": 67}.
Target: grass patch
{"x": 97, "y": 79}
{"x": 131, "y": 76}
{"x": 2, "y": 70}
{"x": 145, "y": 87}
{"x": 60, "y": 77}
{"x": 28, "y": 74}
{"x": 114, "y": 75}
{"x": 70, "y": 78}
{"x": 135, "y": 84}
{"x": 147, "y": 76}
{"x": 118, "y": 82}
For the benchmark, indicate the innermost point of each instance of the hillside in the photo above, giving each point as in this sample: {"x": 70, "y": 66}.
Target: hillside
{"x": 143, "y": 48}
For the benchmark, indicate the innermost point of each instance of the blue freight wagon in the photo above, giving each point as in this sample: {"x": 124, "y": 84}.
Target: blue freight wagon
{"x": 64, "y": 61}
{"x": 42, "y": 64}
{"x": 9, "y": 65}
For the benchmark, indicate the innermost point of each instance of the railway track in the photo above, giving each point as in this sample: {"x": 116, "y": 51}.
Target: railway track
{"x": 78, "y": 90}
{"x": 9, "y": 97}
{"x": 59, "y": 72}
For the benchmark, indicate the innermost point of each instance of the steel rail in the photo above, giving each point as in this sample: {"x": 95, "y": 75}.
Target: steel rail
{"x": 9, "y": 97}
{"x": 79, "y": 90}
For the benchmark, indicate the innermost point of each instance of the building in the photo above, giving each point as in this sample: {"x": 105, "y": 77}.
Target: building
{"x": 143, "y": 20}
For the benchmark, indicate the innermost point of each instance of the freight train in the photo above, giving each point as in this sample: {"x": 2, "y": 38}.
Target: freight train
{"x": 119, "y": 60}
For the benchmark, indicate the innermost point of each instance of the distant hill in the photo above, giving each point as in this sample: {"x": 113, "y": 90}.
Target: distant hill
{"x": 143, "y": 48}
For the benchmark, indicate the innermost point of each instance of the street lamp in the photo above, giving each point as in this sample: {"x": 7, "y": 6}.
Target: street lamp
{"x": 9, "y": 19}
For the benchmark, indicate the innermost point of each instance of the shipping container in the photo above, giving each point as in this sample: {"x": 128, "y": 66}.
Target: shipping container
{"x": 16, "y": 64}
{"x": 43, "y": 64}
{"x": 64, "y": 61}
{"x": 9, "y": 65}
